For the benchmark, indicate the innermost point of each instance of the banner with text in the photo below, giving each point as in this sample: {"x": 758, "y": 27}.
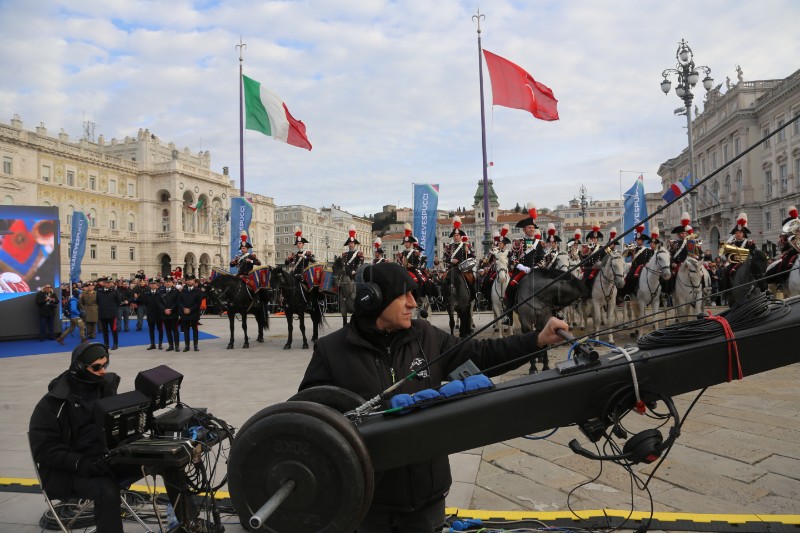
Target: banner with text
{"x": 77, "y": 246}
{"x": 426, "y": 202}
{"x": 241, "y": 214}
{"x": 635, "y": 209}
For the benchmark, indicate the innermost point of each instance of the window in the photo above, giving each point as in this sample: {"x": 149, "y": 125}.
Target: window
{"x": 782, "y": 213}
{"x": 113, "y": 252}
{"x": 92, "y": 251}
{"x": 131, "y": 190}
{"x": 796, "y": 123}
{"x": 7, "y": 165}
{"x": 727, "y": 187}
{"x": 45, "y": 173}
{"x": 70, "y": 178}
{"x": 131, "y": 223}
{"x": 797, "y": 171}
{"x": 764, "y": 135}
{"x": 781, "y": 132}
{"x": 767, "y": 220}
{"x": 768, "y": 183}
{"x": 286, "y": 240}
{"x": 165, "y": 220}
{"x": 784, "y": 176}
{"x": 714, "y": 161}
{"x": 92, "y": 182}
{"x": 726, "y": 153}
{"x": 92, "y": 216}
{"x": 112, "y": 186}
{"x": 703, "y": 166}
{"x": 739, "y": 185}
{"x": 112, "y": 221}
{"x": 132, "y": 254}
{"x": 737, "y": 146}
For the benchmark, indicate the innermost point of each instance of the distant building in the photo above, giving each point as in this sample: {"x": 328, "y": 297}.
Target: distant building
{"x": 326, "y": 230}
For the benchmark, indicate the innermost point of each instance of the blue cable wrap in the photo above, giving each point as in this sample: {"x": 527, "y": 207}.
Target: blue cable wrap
{"x": 401, "y": 400}
{"x": 477, "y": 382}
{"x": 454, "y": 388}
{"x": 426, "y": 395}
{"x": 467, "y": 523}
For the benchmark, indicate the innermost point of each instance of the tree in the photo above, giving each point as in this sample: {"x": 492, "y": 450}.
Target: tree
{"x": 517, "y": 208}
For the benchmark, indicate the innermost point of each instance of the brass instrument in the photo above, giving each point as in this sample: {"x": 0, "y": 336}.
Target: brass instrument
{"x": 792, "y": 230}
{"x": 735, "y": 254}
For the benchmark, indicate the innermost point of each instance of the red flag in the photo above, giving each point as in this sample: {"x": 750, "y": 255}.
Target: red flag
{"x": 513, "y": 87}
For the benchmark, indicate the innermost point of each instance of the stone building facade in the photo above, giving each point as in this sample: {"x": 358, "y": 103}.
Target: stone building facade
{"x": 136, "y": 193}
{"x": 763, "y": 182}
{"x": 326, "y": 229}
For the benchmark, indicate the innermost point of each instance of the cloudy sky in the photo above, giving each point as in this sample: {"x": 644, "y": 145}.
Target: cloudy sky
{"x": 388, "y": 90}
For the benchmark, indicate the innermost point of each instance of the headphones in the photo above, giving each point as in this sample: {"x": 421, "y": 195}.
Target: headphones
{"x": 643, "y": 447}
{"x": 369, "y": 297}
{"x": 78, "y": 366}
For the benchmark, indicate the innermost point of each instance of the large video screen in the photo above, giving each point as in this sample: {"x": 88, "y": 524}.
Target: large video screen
{"x": 29, "y": 260}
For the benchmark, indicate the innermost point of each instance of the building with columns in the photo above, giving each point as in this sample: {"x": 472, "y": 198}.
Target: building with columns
{"x": 325, "y": 229}
{"x": 763, "y": 182}
{"x": 136, "y": 193}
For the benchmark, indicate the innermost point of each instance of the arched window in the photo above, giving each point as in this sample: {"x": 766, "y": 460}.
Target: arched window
{"x": 739, "y": 183}
{"x": 92, "y": 216}
{"x": 131, "y": 223}
{"x": 112, "y": 220}
{"x": 727, "y": 189}
{"x": 165, "y": 220}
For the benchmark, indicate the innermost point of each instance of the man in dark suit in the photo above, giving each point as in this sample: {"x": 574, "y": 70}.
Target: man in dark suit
{"x": 189, "y": 301}
{"x": 168, "y": 305}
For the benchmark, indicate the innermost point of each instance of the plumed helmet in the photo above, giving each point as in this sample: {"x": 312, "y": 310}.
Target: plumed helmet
{"x": 352, "y": 235}
{"x": 532, "y": 216}
{"x": 298, "y": 235}
{"x": 457, "y": 227}
{"x": 407, "y": 236}
{"x": 741, "y": 224}
{"x": 685, "y": 221}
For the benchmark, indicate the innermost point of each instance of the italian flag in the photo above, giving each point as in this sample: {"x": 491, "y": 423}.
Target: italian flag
{"x": 266, "y": 112}
{"x": 197, "y": 205}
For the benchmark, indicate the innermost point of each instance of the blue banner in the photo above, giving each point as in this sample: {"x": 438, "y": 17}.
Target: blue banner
{"x": 426, "y": 202}
{"x": 77, "y": 246}
{"x": 635, "y": 209}
{"x": 241, "y": 214}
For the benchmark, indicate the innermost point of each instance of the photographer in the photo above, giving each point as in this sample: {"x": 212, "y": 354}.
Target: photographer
{"x": 66, "y": 446}
{"x": 47, "y": 303}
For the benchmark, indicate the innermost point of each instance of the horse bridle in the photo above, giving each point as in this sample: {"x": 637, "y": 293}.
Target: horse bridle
{"x": 693, "y": 269}
{"x": 613, "y": 279}
{"x": 658, "y": 271}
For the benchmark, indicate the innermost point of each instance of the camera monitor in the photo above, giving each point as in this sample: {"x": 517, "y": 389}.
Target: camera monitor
{"x": 121, "y": 418}
{"x": 161, "y": 384}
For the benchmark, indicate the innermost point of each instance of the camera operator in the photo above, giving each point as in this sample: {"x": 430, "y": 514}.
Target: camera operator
{"x": 67, "y": 447}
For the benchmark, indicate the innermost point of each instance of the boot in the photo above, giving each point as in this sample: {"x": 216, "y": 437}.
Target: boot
{"x": 170, "y": 348}
{"x": 186, "y": 348}
{"x": 152, "y": 347}
{"x": 160, "y": 346}
{"x": 196, "y": 349}
{"x": 115, "y": 347}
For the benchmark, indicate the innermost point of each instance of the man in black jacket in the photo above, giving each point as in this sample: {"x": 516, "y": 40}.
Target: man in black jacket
{"x": 66, "y": 445}
{"x": 47, "y": 303}
{"x": 381, "y": 345}
{"x": 149, "y": 299}
{"x": 108, "y": 302}
{"x": 189, "y": 311}
{"x": 168, "y": 304}
{"x": 125, "y": 301}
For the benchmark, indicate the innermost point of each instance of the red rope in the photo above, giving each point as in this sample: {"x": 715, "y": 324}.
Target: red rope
{"x": 733, "y": 348}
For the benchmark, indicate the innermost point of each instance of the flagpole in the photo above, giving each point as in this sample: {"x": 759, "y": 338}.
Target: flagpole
{"x": 241, "y": 46}
{"x": 487, "y": 234}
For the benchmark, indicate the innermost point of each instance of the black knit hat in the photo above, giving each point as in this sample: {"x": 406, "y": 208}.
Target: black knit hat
{"x": 392, "y": 279}
{"x": 84, "y": 355}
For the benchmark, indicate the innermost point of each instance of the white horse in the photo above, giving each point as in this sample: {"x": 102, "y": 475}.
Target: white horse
{"x": 604, "y": 291}
{"x": 688, "y": 296}
{"x": 648, "y": 290}
{"x": 499, "y": 289}
{"x": 790, "y": 287}
{"x": 563, "y": 262}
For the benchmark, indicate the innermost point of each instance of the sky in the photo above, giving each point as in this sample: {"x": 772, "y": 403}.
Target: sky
{"x": 388, "y": 90}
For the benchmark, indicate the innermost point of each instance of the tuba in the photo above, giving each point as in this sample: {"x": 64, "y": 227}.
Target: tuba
{"x": 734, "y": 254}
{"x": 792, "y": 231}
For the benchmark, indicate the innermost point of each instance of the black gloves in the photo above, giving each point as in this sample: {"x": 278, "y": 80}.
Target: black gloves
{"x": 92, "y": 466}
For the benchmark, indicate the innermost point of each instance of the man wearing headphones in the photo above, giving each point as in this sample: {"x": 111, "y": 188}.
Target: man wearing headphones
{"x": 69, "y": 453}
{"x": 382, "y": 345}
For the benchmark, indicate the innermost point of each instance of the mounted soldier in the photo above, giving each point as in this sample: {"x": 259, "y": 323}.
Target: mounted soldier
{"x": 530, "y": 253}
{"x": 409, "y": 257}
{"x": 379, "y": 255}
{"x": 574, "y": 245}
{"x": 300, "y": 260}
{"x": 459, "y": 254}
{"x": 737, "y": 248}
{"x": 499, "y": 242}
{"x": 552, "y": 244}
{"x": 352, "y": 258}
{"x": 640, "y": 254}
{"x": 612, "y": 244}
{"x": 789, "y": 240}
{"x": 592, "y": 255}
{"x": 244, "y": 262}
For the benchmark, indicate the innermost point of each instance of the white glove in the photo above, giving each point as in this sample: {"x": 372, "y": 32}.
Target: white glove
{"x": 525, "y": 269}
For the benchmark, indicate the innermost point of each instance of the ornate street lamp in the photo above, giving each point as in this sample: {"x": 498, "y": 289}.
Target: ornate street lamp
{"x": 687, "y": 75}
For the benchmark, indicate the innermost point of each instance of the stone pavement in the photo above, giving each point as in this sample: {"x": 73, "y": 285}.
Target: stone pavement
{"x": 738, "y": 452}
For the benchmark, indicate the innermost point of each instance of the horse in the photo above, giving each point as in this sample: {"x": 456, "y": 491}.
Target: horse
{"x": 791, "y": 287}
{"x": 750, "y": 270}
{"x": 296, "y": 302}
{"x": 459, "y": 302}
{"x": 345, "y": 288}
{"x": 564, "y": 262}
{"x": 543, "y": 293}
{"x": 498, "y": 290}
{"x": 611, "y": 276}
{"x": 688, "y": 295}
{"x": 648, "y": 290}
{"x": 233, "y": 296}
